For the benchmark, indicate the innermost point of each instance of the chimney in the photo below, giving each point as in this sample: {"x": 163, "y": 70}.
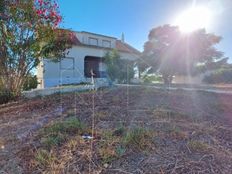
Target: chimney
{"x": 123, "y": 38}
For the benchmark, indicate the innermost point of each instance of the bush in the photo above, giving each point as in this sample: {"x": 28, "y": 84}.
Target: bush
{"x": 118, "y": 69}
{"x": 152, "y": 78}
{"x": 220, "y": 76}
{"x": 30, "y": 83}
{"x": 5, "y": 96}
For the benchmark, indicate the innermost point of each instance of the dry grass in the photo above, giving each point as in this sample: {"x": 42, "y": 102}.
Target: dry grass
{"x": 178, "y": 134}
{"x": 45, "y": 158}
{"x": 139, "y": 138}
{"x": 166, "y": 139}
{"x": 198, "y": 146}
{"x": 165, "y": 113}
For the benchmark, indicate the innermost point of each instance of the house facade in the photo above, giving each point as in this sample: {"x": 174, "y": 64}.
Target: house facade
{"x": 84, "y": 60}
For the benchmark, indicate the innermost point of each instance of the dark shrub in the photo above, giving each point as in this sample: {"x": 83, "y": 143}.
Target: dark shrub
{"x": 30, "y": 83}
{"x": 219, "y": 76}
{"x": 5, "y": 96}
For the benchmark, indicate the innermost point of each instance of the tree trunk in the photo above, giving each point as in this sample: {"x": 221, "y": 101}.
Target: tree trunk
{"x": 12, "y": 84}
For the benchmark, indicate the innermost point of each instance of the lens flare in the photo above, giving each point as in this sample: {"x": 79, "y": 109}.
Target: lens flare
{"x": 193, "y": 19}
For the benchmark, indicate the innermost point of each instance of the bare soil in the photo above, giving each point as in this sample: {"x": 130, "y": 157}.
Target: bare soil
{"x": 191, "y": 132}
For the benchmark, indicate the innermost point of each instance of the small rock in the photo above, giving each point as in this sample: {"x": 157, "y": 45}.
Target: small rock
{"x": 106, "y": 165}
{"x": 194, "y": 132}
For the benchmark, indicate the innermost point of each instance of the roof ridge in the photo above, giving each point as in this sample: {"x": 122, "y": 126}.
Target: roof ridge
{"x": 98, "y": 34}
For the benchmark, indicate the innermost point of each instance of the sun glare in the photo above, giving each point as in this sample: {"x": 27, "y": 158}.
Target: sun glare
{"x": 193, "y": 19}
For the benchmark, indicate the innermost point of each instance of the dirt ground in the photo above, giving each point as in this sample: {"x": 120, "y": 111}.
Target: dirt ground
{"x": 189, "y": 132}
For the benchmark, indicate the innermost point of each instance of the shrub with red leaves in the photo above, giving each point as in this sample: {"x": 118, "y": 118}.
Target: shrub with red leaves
{"x": 28, "y": 32}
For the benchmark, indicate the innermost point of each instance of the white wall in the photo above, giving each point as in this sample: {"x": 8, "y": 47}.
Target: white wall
{"x": 54, "y": 75}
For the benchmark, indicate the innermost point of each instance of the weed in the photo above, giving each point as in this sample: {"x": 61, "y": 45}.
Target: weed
{"x": 71, "y": 125}
{"x": 120, "y": 131}
{"x": 162, "y": 113}
{"x": 44, "y": 158}
{"x": 70, "y": 113}
{"x": 120, "y": 150}
{"x": 102, "y": 114}
{"x": 53, "y": 140}
{"x": 72, "y": 144}
{"x": 108, "y": 139}
{"x": 109, "y": 146}
{"x": 108, "y": 154}
{"x": 57, "y": 133}
{"x": 177, "y": 133}
{"x": 139, "y": 138}
{"x": 198, "y": 146}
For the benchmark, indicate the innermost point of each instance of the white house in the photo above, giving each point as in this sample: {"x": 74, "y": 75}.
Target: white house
{"x": 84, "y": 57}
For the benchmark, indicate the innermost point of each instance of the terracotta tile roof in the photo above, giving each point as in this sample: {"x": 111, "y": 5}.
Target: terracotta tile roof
{"x": 122, "y": 46}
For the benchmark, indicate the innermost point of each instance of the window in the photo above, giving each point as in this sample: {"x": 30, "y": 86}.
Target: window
{"x": 93, "y": 41}
{"x": 106, "y": 43}
{"x": 67, "y": 63}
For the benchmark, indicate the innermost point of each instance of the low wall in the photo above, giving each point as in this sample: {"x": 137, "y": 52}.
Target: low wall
{"x": 50, "y": 91}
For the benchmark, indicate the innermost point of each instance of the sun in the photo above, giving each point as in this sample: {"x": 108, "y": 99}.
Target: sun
{"x": 193, "y": 19}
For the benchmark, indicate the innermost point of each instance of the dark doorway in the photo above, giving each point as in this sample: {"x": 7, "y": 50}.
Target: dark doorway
{"x": 92, "y": 64}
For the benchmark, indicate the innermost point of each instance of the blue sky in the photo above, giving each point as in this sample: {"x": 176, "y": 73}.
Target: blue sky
{"x": 137, "y": 17}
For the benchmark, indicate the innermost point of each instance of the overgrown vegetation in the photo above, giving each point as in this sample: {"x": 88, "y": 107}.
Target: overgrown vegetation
{"x": 31, "y": 82}
{"x": 157, "y": 133}
{"x": 57, "y": 133}
{"x": 176, "y": 133}
{"x": 198, "y": 146}
{"x": 112, "y": 145}
{"x": 45, "y": 158}
{"x": 5, "y": 95}
{"x": 152, "y": 79}
{"x": 117, "y": 143}
{"x": 54, "y": 136}
{"x": 107, "y": 148}
{"x": 138, "y": 138}
{"x": 118, "y": 69}
{"x": 219, "y": 76}
{"x": 28, "y": 32}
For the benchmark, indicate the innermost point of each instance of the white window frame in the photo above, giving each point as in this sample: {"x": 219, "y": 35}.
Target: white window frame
{"x": 95, "y": 39}
{"x": 108, "y": 42}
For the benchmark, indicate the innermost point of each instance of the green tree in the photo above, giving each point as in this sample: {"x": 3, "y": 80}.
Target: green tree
{"x": 171, "y": 52}
{"x": 31, "y": 82}
{"x": 28, "y": 32}
{"x": 117, "y": 68}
